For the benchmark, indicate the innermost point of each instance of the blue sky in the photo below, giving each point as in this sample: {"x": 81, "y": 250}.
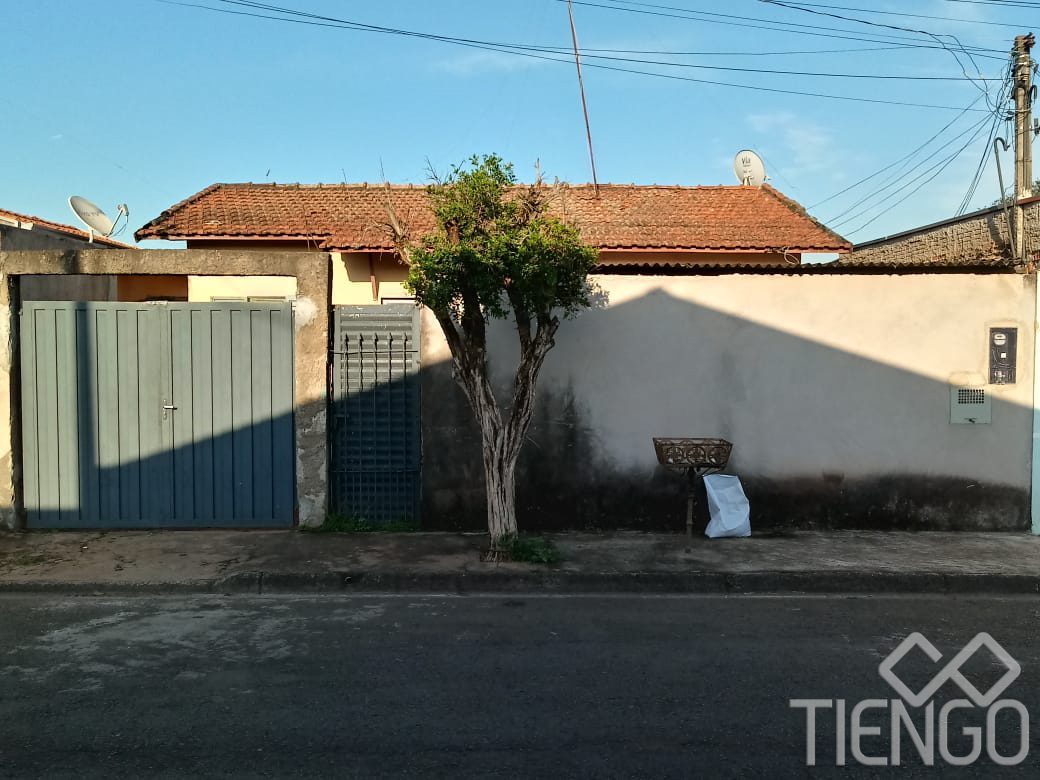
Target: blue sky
{"x": 147, "y": 102}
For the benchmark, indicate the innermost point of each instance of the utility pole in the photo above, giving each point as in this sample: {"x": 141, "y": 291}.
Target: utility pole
{"x": 1023, "y": 96}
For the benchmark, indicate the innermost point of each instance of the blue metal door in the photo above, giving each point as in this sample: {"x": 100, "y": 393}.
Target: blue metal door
{"x": 157, "y": 415}
{"x": 374, "y": 436}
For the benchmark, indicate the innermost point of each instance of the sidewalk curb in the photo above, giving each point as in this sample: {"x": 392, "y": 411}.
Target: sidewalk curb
{"x": 558, "y": 582}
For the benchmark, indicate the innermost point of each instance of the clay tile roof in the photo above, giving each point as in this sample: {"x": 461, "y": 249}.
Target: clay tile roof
{"x": 60, "y": 228}
{"x": 353, "y": 216}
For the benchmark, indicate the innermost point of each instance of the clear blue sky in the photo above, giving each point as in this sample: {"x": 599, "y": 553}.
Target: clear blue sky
{"x": 147, "y": 102}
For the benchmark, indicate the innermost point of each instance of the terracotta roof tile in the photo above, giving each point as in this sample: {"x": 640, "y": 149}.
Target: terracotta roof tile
{"x": 60, "y": 228}
{"x": 353, "y": 217}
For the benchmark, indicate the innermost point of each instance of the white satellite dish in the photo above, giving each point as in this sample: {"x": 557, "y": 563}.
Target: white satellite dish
{"x": 94, "y": 218}
{"x": 749, "y": 168}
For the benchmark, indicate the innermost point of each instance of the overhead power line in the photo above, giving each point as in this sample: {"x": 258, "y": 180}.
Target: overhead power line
{"x": 753, "y": 22}
{"x": 911, "y": 16}
{"x": 306, "y": 18}
{"x": 924, "y": 178}
{"x": 905, "y": 157}
{"x": 850, "y": 214}
{"x": 933, "y": 36}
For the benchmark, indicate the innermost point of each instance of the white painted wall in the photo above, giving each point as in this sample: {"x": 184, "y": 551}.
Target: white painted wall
{"x": 809, "y": 376}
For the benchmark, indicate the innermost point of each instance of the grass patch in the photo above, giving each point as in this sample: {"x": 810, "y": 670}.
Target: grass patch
{"x": 532, "y": 549}
{"x": 344, "y": 524}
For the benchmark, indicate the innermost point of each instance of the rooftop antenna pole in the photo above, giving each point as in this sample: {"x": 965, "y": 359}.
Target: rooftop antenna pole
{"x": 581, "y": 88}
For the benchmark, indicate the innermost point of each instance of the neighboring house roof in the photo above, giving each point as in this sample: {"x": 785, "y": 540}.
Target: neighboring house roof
{"x": 27, "y": 223}
{"x": 977, "y": 240}
{"x": 353, "y": 217}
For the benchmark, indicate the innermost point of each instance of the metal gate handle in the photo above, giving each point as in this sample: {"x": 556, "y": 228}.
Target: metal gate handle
{"x": 166, "y": 408}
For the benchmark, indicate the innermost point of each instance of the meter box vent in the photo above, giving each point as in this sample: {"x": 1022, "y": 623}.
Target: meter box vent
{"x": 969, "y": 405}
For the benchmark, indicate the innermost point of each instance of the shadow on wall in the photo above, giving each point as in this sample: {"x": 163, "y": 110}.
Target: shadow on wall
{"x": 823, "y": 438}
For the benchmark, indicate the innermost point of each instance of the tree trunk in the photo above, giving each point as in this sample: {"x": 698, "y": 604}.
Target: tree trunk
{"x": 501, "y": 440}
{"x": 500, "y": 480}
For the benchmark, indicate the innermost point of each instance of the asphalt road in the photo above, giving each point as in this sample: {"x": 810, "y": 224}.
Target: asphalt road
{"x": 526, "y": 686}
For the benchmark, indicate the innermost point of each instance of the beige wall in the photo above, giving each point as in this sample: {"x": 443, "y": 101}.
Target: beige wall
{"x": 208, "y": 288}
{"x": 834, "y": 390}
{"x": 352, "y": 278}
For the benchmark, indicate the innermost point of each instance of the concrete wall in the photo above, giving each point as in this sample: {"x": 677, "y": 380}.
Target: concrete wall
{"x": 980, "y": 238}
{"x": 14, "y": 239}
{"x": 69, "y": 287}
{"x": 311, "y": 271}
{"x": 833, "y": 388}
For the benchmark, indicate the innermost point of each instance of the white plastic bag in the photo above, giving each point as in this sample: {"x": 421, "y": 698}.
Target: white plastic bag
{"x": 728, "y": 506}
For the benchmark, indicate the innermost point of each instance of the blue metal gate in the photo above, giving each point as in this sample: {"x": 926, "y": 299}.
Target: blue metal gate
{"x": 157, "y": 415}
{"x": 374, "y": 436}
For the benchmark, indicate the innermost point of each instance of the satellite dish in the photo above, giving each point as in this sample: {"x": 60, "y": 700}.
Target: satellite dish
{"x": 749, "y": 168}
{"x": 94, "y": 218}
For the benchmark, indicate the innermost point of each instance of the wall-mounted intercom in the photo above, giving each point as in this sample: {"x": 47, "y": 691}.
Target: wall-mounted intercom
{"x": 970, "y": 406}
{"x": 1003, "y": 355}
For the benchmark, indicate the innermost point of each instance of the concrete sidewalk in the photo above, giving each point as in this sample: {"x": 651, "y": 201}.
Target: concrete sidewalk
{"x": 290, "y": 561}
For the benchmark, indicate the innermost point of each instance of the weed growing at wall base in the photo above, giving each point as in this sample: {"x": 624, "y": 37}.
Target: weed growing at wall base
{"x": 532, "y": 549}
{"x": 348, "y": 524}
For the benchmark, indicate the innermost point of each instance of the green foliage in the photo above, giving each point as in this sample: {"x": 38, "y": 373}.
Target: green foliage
{"x": 495, "y": 247}
{"x": 337, "y": 523}
{"x": 532, "y": 549}
{"x": 1009, "y": 200}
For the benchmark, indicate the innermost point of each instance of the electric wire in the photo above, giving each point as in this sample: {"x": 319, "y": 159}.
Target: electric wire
{"x": 748, "y": 22}
{"x": 321, "y": 21}
{"x": 933, "y": 36}
{"x": 914, "y": 16}
{"x": 897, "y": 177}
{"x": 927, "y": 175}
{"x": 980, "y": 169}
{"x": 907, "y": 156}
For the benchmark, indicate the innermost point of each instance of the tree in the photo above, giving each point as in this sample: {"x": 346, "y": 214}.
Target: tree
{"x": 1011, "y": 200}
{"x": 496, "y": 254}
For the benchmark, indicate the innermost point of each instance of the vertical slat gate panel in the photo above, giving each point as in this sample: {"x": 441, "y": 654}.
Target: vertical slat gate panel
{"x": 223, "y": 472}
{"x": 182, "y": 346}
{"x": 283, "y": 460}
{"x": 260, "y": 365}
{"x": 88, "y": 410}
{"x": 242, "y": 413}
{"x": 47, "y": 393}
{"x": 68, "y": 425}
{"x": 99, "y": 450}
{"x": 30, "y": 412}
{"x": 375, "y": 431}
{"x": 200, "y": 385}
{"x": 129, "y": 415}
{"x": 108, "y": 421}
{"x": 155, "y": 472}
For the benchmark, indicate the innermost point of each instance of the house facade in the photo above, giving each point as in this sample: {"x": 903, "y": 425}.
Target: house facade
{"x": 855, "y": 394}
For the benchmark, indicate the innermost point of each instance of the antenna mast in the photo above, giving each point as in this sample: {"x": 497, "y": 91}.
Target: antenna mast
{"x": 581, "y": 88}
